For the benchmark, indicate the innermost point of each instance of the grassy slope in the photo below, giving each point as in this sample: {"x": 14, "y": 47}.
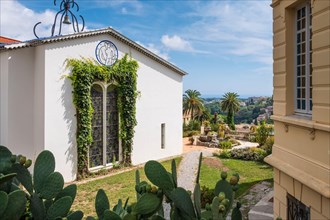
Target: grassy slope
{"x": 251, "y": 172}
{"x": 120, "y": 186}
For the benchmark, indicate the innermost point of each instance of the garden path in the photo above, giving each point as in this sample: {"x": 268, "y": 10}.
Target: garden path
{"x": 245, "y": 144}
{"x": 187, "y": 169}
{"x": 187, "y": 176}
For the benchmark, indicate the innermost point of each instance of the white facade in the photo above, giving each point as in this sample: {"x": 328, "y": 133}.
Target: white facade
{"x": 37, "y": 112}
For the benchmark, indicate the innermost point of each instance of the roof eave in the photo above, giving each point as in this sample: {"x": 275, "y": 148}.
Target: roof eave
{"x": 110, "y": 31}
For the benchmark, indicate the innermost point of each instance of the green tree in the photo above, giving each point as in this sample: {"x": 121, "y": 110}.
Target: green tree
{"x": 262, "y": 133}
{"x": 192, "y": 103}
{"x": 230, "y": 104}
{"x": 204, "y": 115}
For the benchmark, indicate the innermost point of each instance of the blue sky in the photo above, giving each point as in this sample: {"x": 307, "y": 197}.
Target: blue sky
{"x": 225, "y": 46}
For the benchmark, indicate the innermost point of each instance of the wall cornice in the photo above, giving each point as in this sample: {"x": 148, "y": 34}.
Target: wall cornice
{"x": 301, "y": 121}
{"x": 303, "y": 177}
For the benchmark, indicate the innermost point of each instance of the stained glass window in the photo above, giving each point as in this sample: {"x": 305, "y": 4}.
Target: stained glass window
{"x": 105, "y": 125}
{"x": 112, "y": 126}
{"x": 96, "y": 150}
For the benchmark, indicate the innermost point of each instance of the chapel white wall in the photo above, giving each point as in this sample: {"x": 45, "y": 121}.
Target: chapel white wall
{"x": 160, "y": 102}
{"x": 17, "y": 101}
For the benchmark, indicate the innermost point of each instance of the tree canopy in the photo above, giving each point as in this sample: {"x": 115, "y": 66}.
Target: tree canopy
{"x": 230, "y": 104}
{"x": 192, "y": 103}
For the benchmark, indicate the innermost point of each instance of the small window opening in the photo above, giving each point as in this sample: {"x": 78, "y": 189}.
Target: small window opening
{"x": 296, "y": 209}
{"x": 163, "y": 135}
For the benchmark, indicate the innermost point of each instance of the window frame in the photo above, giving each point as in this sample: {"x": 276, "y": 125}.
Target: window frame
{"x": 308, "y": 72}
{"x": 162, "y": 137}
{"x": 105, "y": 87}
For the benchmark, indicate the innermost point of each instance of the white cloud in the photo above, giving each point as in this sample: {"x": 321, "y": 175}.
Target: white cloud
{"x": 176, "y": 43}
{"x": 240, "y": 28}
{"x": 153, "y": 48}
{"x": 124, "y": 10}
{"x": 132, "y": 7}
{"x": 17, "y": 21}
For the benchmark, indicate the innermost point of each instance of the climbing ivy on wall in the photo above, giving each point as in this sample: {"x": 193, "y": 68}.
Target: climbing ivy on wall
{"x": 84, "y": 73}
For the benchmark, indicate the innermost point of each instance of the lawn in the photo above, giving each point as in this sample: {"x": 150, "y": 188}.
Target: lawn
{"x": 250, "y": 172}
{"x": 120, "y": 186}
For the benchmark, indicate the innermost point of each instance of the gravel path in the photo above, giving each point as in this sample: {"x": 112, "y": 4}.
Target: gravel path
{"x": 187, "y": 171}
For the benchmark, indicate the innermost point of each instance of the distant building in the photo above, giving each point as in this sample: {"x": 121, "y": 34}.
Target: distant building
{"x": 301, "y": 152}
{"x": 262, "y": 117}
{"x": 242, "y": 104}
{"x": 186, "y": 117}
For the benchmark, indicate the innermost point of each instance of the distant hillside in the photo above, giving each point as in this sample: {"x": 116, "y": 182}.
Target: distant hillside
{"x": 251, "y": 108}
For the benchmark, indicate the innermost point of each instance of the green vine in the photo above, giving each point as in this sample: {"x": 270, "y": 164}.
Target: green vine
{"x": 84, "y": 73}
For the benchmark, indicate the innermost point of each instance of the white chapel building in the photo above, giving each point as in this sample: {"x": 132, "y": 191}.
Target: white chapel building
{"x": 36, "y": 103}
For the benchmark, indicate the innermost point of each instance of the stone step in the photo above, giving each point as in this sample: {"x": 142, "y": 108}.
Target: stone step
{"x": 263, "y": 210}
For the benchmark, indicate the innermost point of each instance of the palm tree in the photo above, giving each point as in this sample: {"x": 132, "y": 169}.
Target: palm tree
{"x": 203, "y": 115}
{"x": 230, "y": 104}
{"x": 192, "y": 103}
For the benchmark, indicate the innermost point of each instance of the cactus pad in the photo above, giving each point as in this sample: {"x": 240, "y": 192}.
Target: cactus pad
{"x": 70, "y": 190}
{"x": 37, "y": 207}
{"x": 7, "y": 177}
{"x": 224, "y": 186}
{"x": 148, "y": 203}
{"x": 77, "y": 215}
{"x": 158, "y": 175}
{"x": 197, "y": 200}
{"x": 24, "y": 176}
{"x": 110, "y": 215}
{"x": 174, "y": 174}
{"x": 43, "y": 167}
{"x": 15, "y": 205}
{"x": 215, "y": 208}
{"x": 199, "y": 167}
{"x": 5, "y": 159}
{"x": 52, "y": 186}
{"x": 236, "y": 213}
{"x": 183, "y": 202}
{"x": 101, "y": 203}
{"x": 3, "y": 202}
{"x": 60, "y": 208}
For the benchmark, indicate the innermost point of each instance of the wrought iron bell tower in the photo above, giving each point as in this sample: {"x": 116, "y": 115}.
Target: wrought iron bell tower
{"x": 66, "y": 13}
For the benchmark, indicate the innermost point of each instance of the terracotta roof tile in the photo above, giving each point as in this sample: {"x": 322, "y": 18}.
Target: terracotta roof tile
{"x": 6, "y": 40}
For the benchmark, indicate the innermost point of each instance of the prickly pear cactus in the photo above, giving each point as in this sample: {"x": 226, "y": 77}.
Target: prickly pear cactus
{"x": 44, "y": 192}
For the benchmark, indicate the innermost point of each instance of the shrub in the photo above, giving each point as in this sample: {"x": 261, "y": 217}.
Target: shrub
{"x": 263, "y": 132}
{"x": 190, "y": 133}
{"x": 225, "y": 145}
{"x": 207, "y": 196}
{"x": 206, "y": 123}
{"x": 234, "y": 141}
{"x": 212, "y": 133}
{"x": 225, "y": 154}
{"x": 268, "y": 146}
{"x": 256, "y": 154}
{"x": 252, "y": 138}
{"x": 194, "y": 125}
{"x": 214, "y": 127}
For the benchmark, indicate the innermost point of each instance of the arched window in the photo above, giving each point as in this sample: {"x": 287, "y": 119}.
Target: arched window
{"x": 105, "y": 125}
